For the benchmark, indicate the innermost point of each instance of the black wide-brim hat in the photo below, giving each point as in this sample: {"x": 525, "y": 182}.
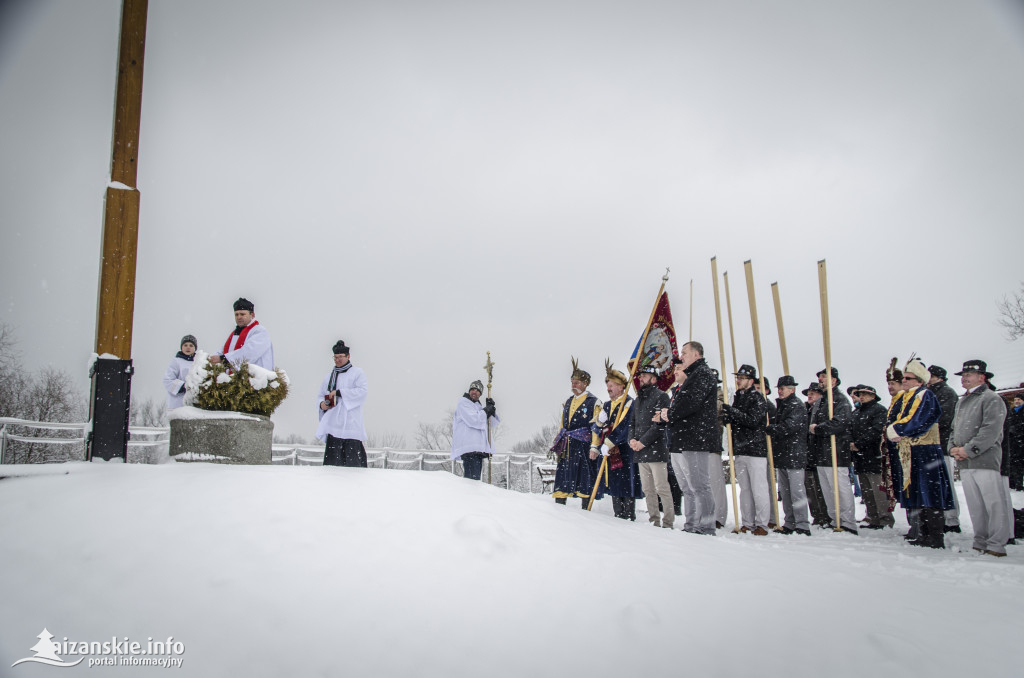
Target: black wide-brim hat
{"x": 816, "y": 387}
{"x": 748, "y": 371}
{"x": 979, "y": 366}
{"x": 937, "y": 372}
{"x": 865, "y": 389}
{"x": 785, "y": 380}
{"x": 835, "y": 375}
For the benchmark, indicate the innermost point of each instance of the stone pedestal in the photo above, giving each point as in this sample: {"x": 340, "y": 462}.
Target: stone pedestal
{"x": 235, "y": 440}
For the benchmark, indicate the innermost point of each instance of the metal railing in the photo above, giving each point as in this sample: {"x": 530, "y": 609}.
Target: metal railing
{"x": 160, "y": 435}
{"x": 512, "y": 471}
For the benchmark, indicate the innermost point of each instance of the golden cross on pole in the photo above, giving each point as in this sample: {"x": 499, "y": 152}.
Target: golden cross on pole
{"x": 489, "y": 366}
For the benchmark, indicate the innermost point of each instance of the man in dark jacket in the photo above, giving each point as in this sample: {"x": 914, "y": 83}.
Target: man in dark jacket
{"x": 815, "y": 497}
{"x": 647, "y": 440}
{"x": 747, "y": 414}
{"x": 789, "y": 447}
{"x": 866, "y": 432}
{"x": 691, "y": 416}
{"x": 948, "y": 399}
{"x": 823, "y": 429}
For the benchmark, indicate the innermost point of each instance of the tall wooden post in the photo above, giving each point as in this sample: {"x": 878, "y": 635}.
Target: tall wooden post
{"x": 725, "y": 393}
{"x": 749, "y": 270}
{"x": 782, "y": 332}
{"x": 827, "y": 340}
{"x": 111, "y": 372}
{"x": 728, "y": 308}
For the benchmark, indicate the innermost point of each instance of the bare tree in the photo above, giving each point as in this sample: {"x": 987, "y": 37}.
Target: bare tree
{"x": 147, "y": 412}
{"x": 437, "y": 436}
{"x": 541, "y": 441}
{"x": 390, "y": 439}
{"x": 1011, "y": 314}
{"x": 290, "y": 439}
{"x": 14, "y": 382}
{"x": 50, "y": 396}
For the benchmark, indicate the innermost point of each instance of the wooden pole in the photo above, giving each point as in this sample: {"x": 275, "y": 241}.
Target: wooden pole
{"x": 732, "y": 335}
{"x": 826, "y": 335}
{"x": 749, "y": 271}
{"x": 111, "y": 373}
{"x": 782, "y": 332}
{"x": 647, "y": 329}
{"x": 725, "y": 391}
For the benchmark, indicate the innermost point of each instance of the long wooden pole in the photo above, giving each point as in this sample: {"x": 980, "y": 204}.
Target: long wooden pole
{"x": 782, "y": 332}
{"x": 748, "y": 269}
{"x": 725, "y": 391}
{"x": 647, "y": 329}
{"x": 826, "y": 335}
{"x": 732, "y": 335}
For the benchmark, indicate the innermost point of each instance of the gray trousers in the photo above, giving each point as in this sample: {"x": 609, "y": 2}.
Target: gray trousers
{"x": 691, "y": 469}
{"x": 875, "y": 500}
{"x": 717, "y": 477}
{"x": 754, "y": 497}
{"x": 794, "y": 498}
{"x": 953, "y": 514}
{"x": 654, "y": 481}
{"x": 986, "y": 500}
{"x": 847, "y": 513}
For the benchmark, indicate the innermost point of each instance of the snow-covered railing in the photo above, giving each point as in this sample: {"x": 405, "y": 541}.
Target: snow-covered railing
{"x": 505, "y": 468}
{"x": 82, "y": 427}
{"x": 511, "y": 471}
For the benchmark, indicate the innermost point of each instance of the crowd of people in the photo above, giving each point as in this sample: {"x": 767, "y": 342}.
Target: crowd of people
{"x": 811, "y": 456}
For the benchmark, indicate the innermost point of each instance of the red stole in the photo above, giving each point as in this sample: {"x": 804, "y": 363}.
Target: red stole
{"x": 241, "y": 336}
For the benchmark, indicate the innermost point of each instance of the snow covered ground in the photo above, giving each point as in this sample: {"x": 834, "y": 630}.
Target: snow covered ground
{"x": 309, "y": 571}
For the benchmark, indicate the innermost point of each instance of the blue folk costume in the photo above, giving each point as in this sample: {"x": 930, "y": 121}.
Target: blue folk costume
{"x": 919, "y": 473}
{"x": 621, "y": 478}
{"x": 576, "y": 473}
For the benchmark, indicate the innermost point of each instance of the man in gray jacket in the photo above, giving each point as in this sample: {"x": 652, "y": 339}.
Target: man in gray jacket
{"x": 976, "y": 444}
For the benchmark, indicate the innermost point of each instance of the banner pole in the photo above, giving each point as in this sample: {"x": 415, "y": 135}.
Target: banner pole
{"x": 647, "y": 329}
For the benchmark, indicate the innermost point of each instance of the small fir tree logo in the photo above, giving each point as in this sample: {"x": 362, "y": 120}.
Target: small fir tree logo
{"x": 46, "y": 652}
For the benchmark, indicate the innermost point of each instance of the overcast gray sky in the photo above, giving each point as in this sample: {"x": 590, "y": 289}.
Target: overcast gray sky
{"x": 432, "y": 180}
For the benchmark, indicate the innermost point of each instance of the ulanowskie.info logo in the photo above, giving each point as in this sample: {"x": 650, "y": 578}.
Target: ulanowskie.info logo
{"x": 114, "y": 652}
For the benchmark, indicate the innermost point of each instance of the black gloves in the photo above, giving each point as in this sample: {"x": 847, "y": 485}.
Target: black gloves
{"x": 489, "y": 408}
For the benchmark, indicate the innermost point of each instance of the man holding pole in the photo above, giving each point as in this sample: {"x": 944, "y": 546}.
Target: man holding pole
{"x": 823, "y": 429}
{"x": 470, "y": 440}
{"x": 576, "y": 471}
{"x": 748, "y": 415}
{"x": 789, "y": 437}
{"x": 647, "y": 440}
{"x": 611, "y": 439}
{"x": 691, "y": 418}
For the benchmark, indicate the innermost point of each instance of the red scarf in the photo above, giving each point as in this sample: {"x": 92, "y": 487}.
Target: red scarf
{"x": 241, "y": 336}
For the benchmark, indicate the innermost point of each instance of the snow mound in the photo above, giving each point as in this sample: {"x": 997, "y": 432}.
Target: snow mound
{"x": 274, "y": 571}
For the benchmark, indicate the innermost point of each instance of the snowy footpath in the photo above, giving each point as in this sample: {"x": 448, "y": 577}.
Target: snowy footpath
{"x": 309, "y": 571}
